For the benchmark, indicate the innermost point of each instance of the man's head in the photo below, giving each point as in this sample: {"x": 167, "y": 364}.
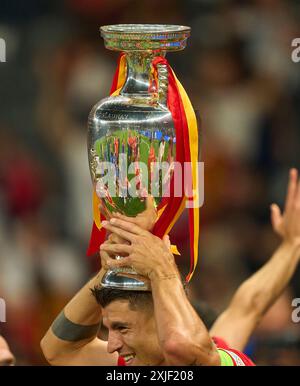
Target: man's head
{"x": 6, "y": 357}
{"x": 129, "y": 318}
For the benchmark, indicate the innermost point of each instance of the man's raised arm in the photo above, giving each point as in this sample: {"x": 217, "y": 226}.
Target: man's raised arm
{"x": 72, "y": 338}
{"x": 257, "y": 294}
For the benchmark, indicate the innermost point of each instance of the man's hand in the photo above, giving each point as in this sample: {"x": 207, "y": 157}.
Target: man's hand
{"x": 145, "y": 220}
{"x": 107, "y": 257}
{"x": 287, "y": 225}
{"x": 146, "y": 253}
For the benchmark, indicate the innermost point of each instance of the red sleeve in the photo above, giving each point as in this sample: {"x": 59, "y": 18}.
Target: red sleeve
{"x": 239, "y": 358}
{"x": 219, "y": 342}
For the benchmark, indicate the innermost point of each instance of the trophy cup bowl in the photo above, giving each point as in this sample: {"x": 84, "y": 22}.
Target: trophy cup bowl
{"x": 131, "y": 135}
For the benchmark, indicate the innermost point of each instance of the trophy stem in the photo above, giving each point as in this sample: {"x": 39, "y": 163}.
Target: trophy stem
{"x": 140, "y": 80}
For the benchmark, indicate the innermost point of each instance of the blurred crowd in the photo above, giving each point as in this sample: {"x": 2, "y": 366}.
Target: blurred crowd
{"x": 238, "y": 72}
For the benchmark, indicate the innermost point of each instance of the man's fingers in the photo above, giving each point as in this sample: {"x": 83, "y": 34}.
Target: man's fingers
{"x": 105, "y": 258}
{"x": 276, "y": 217}
{"x": 116, "y": 248}
{"x": 150, "y": 203}
{"x": 297, "y": 201}
{"x": 166, "y": 240}
{"x": 107, "y": 262}
{"x": 118, "y": 231}
{"x": 292, "y": 189}
{"x": 124, "y": 218}
{"x": 124, "y": 262}
{"x": 131, "y": 228}
{"x": 115, "y": 239}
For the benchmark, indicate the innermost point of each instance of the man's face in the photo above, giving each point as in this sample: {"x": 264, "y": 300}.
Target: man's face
{"x": 132, "y": 334}
{"x": 6, "y": 357}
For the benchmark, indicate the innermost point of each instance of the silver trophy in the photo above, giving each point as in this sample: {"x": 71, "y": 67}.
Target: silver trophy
{"x": 131, "y": 135}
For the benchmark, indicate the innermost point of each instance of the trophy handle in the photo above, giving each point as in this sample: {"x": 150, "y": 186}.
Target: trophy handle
{"x": 163, "y": 82}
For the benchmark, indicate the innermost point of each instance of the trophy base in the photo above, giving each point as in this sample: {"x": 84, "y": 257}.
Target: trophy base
{"x": 125, "y": 279}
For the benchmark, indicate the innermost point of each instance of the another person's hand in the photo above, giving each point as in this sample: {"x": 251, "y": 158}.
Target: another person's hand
{"x": 287, "y": 224}
{"x": 146, "y": 253}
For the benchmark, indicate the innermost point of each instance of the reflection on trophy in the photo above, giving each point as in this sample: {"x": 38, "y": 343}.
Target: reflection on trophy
{"x": 131, "y": 134}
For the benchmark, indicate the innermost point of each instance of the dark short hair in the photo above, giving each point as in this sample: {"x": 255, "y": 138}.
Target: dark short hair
{"x": 136, "y": 299}
{"x": 144, "y": 300}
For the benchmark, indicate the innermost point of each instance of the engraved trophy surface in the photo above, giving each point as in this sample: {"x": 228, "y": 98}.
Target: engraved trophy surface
{"x": 131, "y": 135}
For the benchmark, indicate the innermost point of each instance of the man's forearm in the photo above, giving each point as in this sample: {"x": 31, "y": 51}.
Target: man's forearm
{"x": 253, "y": 298}
{"x": 182, "y": 334}
{"x": 260, "y": 291}
{"x": 78, "y": 322}
{"x": 83, "y": 309}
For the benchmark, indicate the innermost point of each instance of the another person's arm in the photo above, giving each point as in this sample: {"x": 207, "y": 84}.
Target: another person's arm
{"x": 72, "y": 338}
{"x": 183, "y": 337}
{"x": 257, "y": 294}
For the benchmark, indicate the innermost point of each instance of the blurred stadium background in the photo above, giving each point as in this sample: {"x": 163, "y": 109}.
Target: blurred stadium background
{"x": 238, "y": 71}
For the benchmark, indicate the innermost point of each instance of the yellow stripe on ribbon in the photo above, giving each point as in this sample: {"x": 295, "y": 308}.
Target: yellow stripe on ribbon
{"x": 121, "y": 76}
{"x": 96, "y": 211}
{"x": 193, "y": 142}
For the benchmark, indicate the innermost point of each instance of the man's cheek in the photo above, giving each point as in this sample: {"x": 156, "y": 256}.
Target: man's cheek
{"x": 129, "y": 340}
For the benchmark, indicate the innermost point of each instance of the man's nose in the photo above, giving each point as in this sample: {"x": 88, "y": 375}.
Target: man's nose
{"x": 114, "y": 343}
